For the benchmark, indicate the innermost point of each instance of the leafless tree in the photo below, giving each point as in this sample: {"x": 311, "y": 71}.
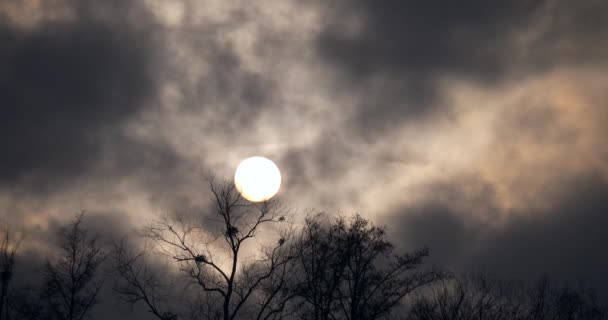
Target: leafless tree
{"x": 71, "y": 284}
{"x": 350, "y": 270}
{"x": 472, "y": 296}
{"x": 216, "y": 260}
{"x": 136, "y": 281}
{"x": 481, "y": 297}
{"x": 8, "y": 250}
{"x": 563, "y": 303}
{"x": 279, "y": 288}
{"x": 25, "y": 304}
{"x": 323, "y": 261}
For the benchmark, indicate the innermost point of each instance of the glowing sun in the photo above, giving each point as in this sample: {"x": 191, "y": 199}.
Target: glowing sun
{"x": 257, "y": 179}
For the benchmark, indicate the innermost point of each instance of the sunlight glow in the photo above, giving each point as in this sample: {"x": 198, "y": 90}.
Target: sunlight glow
{"x": 257, "y": 179}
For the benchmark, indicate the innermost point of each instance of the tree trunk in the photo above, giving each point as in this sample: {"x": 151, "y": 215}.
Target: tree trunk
{"x": 5, "y": 278}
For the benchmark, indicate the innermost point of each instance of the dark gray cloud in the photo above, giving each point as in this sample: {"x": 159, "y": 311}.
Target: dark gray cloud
{"x": 445, "y": 220}
{"x": 233, "y": 95}
{"x": 401, "y": 49}
{"x": 66, "y": 86}
{"x": 324, "y": 161}
{"x": 394, "y": 55}
{"x": 212, "y": 77}
{"x": 424, "y": 38}
{"x": 565, "y": 241}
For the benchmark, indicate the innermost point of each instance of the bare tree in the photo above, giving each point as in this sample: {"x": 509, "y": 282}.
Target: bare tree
{"x": 323, "y": 262}
{"x": 279, "y": 288}
{"x": 481, "y": 297}
{"x": 71, "y": 285}
{"x": 8, "y": 250}
{"x": 25, "y": 304}
{"x": 472, "y": 296}
{"x": 216, "y": 260}
{"x": 136, "y": 281}
{"x": 563, "y": 303}
{"x": 351, "y": 272}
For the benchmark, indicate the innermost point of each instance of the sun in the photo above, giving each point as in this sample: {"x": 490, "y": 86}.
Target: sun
{"x": 257, "y": 179}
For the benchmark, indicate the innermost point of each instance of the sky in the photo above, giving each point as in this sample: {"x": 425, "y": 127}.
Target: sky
{"x": 476, "y": 128}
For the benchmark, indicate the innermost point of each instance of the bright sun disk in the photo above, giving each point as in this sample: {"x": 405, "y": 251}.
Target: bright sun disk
{"x": 257, "y": 179}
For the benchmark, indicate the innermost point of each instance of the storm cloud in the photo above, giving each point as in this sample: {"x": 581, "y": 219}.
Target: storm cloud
{"x": 67, "y": 86}
{"x": 475, "y": 128}
{"x": 398, "y": 55}
{"x": 561, "y": 242}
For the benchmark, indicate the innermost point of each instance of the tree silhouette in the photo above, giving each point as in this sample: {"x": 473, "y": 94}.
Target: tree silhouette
{"x": 135, "y": 281}
{"x": 214, "y": 259}
{"x": 473, "y": 296}
{"x": 329, "y": 269}
{"x": 8, "y": 250}
{"x": 480, "y": 297}
{"x": 71, "y": 286}
{"x": 545, "y": 301}
{"x": 350, "y": 270}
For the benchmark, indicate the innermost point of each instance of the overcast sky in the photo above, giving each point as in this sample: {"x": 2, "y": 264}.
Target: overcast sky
{"x": 475, "y": 127}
